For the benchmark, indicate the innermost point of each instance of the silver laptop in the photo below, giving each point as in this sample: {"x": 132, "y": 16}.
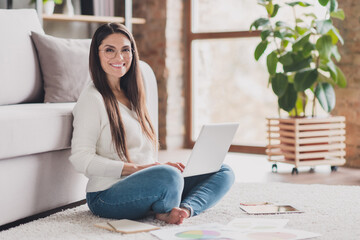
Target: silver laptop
{"x": 210, "y": 148}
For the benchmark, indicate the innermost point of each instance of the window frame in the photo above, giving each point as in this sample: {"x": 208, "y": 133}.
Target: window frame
{"x": 190, "y": 37}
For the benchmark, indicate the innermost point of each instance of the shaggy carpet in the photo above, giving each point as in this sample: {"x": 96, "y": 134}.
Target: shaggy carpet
{"x": 332, "y": 211}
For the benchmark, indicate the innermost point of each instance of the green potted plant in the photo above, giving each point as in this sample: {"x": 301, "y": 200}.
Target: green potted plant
{"x": 303, "y": 54}
{"x": 301, "y": 61}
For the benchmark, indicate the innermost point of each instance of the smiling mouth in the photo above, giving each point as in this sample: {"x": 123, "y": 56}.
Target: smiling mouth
{"x": 118, "y": 65}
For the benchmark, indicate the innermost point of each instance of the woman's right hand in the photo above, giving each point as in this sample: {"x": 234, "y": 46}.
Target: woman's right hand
{"x": 130, "y": 168}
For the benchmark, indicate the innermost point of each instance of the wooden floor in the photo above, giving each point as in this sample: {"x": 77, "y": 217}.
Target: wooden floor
{"x": 256, "y": 168}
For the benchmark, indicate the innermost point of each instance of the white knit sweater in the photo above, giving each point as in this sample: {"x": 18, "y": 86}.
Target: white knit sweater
{"x": 92, "y": 150}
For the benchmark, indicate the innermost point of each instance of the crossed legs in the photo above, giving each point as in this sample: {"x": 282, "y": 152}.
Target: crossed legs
{"x": 161, "y": 189}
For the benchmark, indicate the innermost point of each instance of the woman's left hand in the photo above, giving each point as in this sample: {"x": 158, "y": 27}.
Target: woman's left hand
{"x": 177, "y": 165}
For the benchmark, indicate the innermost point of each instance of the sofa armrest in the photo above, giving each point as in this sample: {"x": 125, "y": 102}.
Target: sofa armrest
{"x": 150, "y": 85}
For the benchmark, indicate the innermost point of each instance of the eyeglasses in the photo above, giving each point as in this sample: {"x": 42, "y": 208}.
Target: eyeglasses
{"x": 125, "y": 53}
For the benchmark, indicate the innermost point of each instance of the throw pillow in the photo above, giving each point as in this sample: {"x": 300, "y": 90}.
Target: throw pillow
{"x": 64, "y": 66}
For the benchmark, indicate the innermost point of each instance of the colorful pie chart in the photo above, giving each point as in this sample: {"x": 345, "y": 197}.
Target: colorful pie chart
{"x": 198, "y": 234}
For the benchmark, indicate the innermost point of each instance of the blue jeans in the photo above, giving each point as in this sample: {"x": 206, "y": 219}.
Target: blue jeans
{"x": 159, "y": 189}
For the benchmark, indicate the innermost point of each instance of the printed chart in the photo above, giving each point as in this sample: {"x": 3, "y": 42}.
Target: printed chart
{"x": 198, "y": 234}
{"x": 202, "y": 232}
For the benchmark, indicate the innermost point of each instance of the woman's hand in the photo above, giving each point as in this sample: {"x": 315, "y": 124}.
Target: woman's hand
{"x": 130, "y": 168}
{"x": 177, "y": 165}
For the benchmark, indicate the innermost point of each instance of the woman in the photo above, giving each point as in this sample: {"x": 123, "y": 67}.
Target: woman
{"x": 114, "y": 143}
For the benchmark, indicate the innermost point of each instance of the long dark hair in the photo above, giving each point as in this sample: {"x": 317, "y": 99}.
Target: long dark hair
{"x": 131, "y": 83}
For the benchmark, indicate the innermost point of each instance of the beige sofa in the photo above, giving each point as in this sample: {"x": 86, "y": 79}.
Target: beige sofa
{"x": 35, "y": 174}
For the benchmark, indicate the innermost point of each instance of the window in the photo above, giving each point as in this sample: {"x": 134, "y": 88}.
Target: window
{"x": 225, "y": 15}
{"x": 224, "y": 82}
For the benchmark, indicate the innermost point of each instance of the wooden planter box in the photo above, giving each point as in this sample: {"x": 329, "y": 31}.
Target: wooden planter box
{"x": 306, "y": 141}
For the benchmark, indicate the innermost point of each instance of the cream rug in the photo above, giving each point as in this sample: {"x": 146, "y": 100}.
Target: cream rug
{"x": 332, "y": 211}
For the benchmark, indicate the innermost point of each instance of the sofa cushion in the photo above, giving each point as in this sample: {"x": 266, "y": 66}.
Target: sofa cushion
{"x": 64, "y": 66}
{"x": 20, "y": 78}
{"x": 35, "y": 128}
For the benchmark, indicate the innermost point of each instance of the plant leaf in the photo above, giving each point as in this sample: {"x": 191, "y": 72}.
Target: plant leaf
{"x": 335, "y": 31}
{"x": 276, "y": 9}
{"x": 298, "y": 110}
{"x": 301, "y": 103}
{"x": 291, "y": 78}
{"x": 271, "y": 62}
{"x": 301, "y": 30}
{"x": 300, "y": 3}
{"x": 298, "y": 63}
{"x": 339, "y": 14}
{"x": 300, "y": 42}
{"x": 332, "y": 69}
{"x": 323, "y": 2}
{"x": 281, "y": 24}
{"x": 325, "y": 94}
{"x": 279, "y": 84}
{"x": 299, "y": 20}
{"x": 260, "y": 49}
{"x": 333, "y": 5}
{"x": 305, "y": 79}
{"x": 269, "y": 8}
{"x": 334, "y": 37}
{"x": 308, "y": 47}
{"x": 286, "y": 59}
{"x": 259, "y": 23}
{"x": 278, "y": 34}
{"x": 323, "y": 26}
{"x": 335, "y": 53}
{"x": 264, "y": 34}
{"x": 283, "y": 33}
{"x": 284, "y": 43}
{"x": 288, "y": 99}
{"x": 323, "y": 78}
{"x": 311, "y": 15}
{"x": 341, "y": 80}
{"x": 324, "y": 46}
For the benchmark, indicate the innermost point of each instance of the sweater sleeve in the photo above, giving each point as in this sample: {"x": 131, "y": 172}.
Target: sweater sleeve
{"x": 87, "y": 128}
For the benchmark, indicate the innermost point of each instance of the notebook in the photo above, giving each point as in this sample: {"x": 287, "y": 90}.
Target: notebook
{"x": 126, "y": 226}
{"x": 210, "y": 148}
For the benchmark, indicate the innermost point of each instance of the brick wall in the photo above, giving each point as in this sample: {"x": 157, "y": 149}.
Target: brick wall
{"x": 348, "y": 99}
{"x": 151, "y": 42}
{"x": 160, "y": 44}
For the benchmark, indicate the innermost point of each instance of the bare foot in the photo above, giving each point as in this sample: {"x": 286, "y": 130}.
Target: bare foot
{"x": 176, "y": 216}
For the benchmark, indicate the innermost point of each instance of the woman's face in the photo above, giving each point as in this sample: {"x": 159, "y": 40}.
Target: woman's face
{"x": 115, "y": 55}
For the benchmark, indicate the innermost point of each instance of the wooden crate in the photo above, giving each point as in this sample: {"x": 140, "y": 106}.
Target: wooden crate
{"x": 306, "y": 141}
